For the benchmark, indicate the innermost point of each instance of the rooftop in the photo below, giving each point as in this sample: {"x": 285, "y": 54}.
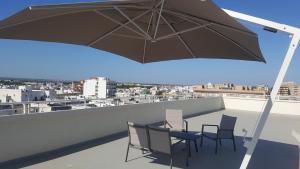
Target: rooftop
{"x": 277, "y": 149}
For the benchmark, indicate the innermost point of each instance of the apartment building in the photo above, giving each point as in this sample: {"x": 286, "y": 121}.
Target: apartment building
{"x": 231, "y": 88}
{"x": 99, "y": 87}
{"x": 289, "y": 88}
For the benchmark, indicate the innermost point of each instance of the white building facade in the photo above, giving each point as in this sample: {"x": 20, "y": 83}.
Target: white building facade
{"x": 99, "y": 87}
{"x": 22, "y": 94}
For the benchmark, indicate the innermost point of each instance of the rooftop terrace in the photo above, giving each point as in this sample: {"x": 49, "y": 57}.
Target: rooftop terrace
{"x": 277, "y": 149}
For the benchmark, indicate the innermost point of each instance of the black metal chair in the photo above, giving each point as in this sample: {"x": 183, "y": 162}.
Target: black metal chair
{"x": 224, "y": 131}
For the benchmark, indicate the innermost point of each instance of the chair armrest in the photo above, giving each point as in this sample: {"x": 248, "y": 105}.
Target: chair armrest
{"x": 167, "y": 123}
{"x": 209, "y": 125}
{"x": 186, "y": 125}
{"x": 226, "y": 130}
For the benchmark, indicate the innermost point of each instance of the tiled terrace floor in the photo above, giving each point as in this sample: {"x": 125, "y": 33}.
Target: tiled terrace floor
{"x": 277, "y": 149}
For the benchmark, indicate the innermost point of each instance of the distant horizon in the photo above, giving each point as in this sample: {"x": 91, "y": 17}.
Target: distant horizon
{"x": 135, "y": 82}
{"x": 43, "y": 60}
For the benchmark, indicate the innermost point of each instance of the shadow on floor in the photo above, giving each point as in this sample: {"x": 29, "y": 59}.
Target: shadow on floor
{"x": 268, "y": 155}
{"x": 39, "y": 158}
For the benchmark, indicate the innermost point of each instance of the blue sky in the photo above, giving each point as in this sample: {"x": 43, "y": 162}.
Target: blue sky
{"x": 71, "y": 62}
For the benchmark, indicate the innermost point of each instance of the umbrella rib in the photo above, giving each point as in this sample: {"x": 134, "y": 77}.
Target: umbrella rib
{"x": 159, "y": 16}
{"x": 117, "y": 28}
{"x": 227, "y": 38}
{"x": 132, "y": 22}
{"x": 65, "y": 13}
{"x": 117, "y": 22}
{"x": 183, "y": 31}
{"x": 127, "y": 36}
{"x": 234, "y": 42}
{"x": 185, "y": 16}
{"x": 51, "y": 7}
{"x": 145, "y": 43}
{"x": 40, "y": 18}
{"x": 179, "y": 37}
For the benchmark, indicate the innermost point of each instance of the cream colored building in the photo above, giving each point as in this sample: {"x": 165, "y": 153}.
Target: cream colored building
{"x": 289, "y": 88}
{"x": 230, "y": 88}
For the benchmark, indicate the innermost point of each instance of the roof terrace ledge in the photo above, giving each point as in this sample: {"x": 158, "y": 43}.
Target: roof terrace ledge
{"x": 109, "y": 151}
{"x": 25, "y": 135}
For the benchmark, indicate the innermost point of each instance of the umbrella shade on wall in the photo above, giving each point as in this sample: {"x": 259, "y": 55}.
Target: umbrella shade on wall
{"x": 141, "y": 30}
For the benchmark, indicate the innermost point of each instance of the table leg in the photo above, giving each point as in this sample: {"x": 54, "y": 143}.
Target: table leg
{"x": 196, "y": 146}
{"x": 190, "y": 154}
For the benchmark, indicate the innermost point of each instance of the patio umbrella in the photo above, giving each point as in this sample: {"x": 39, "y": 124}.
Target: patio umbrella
{"x": 141, "y": 30}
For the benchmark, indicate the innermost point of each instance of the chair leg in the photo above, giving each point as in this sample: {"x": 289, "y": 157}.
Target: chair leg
{"x": 201, "y": 141}
{"x": 196, "y": 147}
{"x": 187, "y": 153}
{"x": 234, "y": 146}
{"x": 216, "y": 149}
{"x": 189, "y": 143}
{"x": 220, "y": 142}
{"x": 171, "y": 162}
{"x": 127, "y": 153}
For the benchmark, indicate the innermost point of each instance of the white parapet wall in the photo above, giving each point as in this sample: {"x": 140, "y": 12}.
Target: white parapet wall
{"x": 287, "y": 107}
{"x": 26, "y": 135}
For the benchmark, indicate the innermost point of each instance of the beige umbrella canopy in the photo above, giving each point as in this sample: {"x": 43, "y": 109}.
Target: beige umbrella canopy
{"x": 143, "y": 30}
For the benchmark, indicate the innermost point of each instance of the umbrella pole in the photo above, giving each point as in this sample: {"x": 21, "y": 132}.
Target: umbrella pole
{"x": 295, "y": 33}
{"x": 270, "y": 102}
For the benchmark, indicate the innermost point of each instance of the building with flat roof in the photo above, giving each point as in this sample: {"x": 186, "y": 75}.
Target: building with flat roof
{"x": 289, "y": 89}
{"x": 231, "y": 89}
{"x": 22, "y": 94}
{"x": 99, "y": 87}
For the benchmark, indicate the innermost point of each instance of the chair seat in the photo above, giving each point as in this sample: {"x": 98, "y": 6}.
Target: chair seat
{"x": 225, "y": 134}
{"x": 222, "y": 135}
{"x": 212, "y": 136}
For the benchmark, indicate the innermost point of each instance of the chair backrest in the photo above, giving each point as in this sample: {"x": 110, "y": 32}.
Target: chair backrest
{"x": 160, "y": 140}
{"x": 174, "y": 119}
{"x": 138, "y": 135}
{"x": 227, "y": 122}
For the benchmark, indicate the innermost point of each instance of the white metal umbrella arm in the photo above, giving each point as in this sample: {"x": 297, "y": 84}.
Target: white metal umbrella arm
{"x": 158, "y": 14}
{"x": 272, "y": 26}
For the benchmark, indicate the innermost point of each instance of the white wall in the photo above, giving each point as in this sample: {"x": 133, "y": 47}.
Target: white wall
{"x": 254, "y": 104}
{"x": 102, "y": 88}
{"x": 22, "y": 94}
{"x": 25, "y": 135}
{"x": 37, "y": 94}
{"x": 89, "y": 87}
{"x": 15, "y": 94}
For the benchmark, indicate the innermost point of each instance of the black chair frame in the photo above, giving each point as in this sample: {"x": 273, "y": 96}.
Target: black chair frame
{"x": 143, "y": 149}
{"x": 218, "y": 137}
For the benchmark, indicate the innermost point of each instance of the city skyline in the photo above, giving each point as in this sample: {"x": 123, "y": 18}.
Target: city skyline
{"x": 124, "y": 82}
{"x": 27, "y": 59}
